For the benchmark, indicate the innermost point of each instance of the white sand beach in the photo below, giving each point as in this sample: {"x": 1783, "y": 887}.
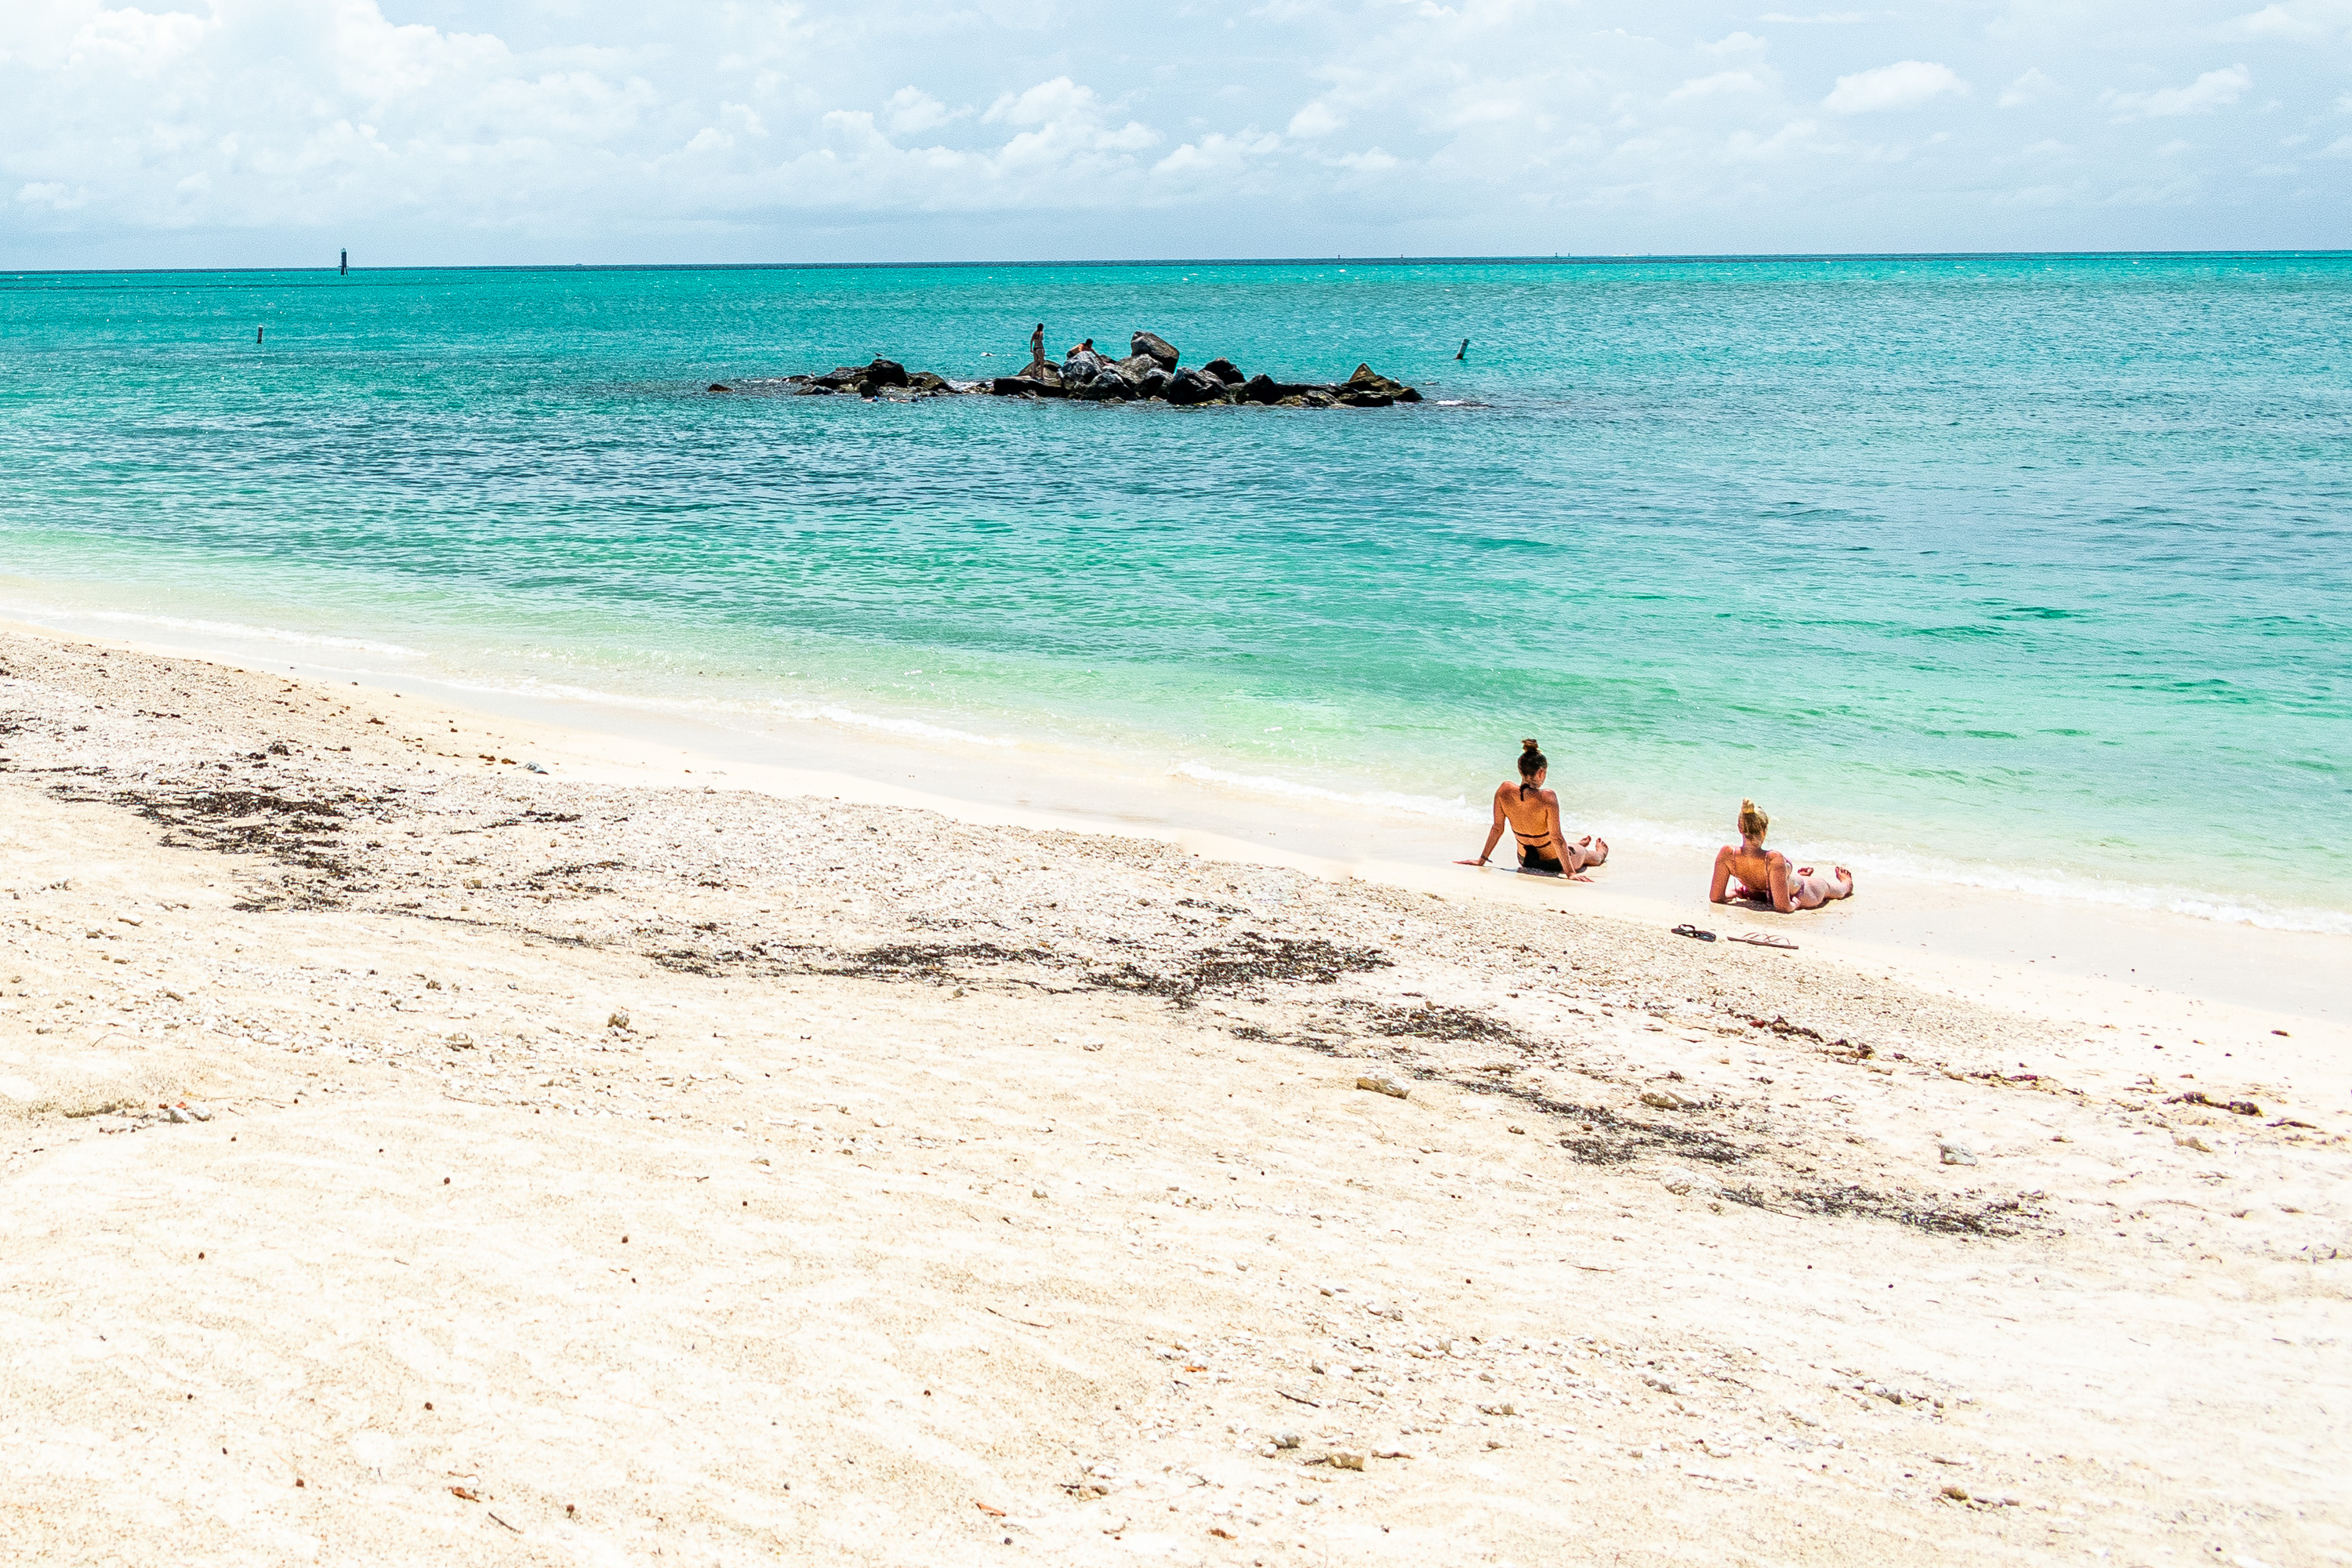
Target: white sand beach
{"x": 665, "y": 1155}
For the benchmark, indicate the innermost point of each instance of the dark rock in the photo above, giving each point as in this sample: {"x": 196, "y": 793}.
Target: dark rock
{"x": 1367, "y": 380}
{"x": 1308, "y": 398}
{"x": 883, "y": 372}
{"x": 1224, "y": 370}
{"x": 1365, "y": 399}
{"x": 927, "y": 381}
{"x": 1266, "y": 389}
{"x": 1025, "y": 386}
{"x": 1151, "y": 345}
{"x": 1134, "y": 366}
{"x": 1152, "y": 382}
{"x": 1188, "y": 387}
{"x": 720, "y": 386}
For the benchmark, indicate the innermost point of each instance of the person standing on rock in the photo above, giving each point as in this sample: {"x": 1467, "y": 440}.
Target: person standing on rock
{"x": 1037, "y": 349}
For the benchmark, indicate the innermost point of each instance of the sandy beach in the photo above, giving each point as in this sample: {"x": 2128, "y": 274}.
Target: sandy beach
{"x": 413, "y": 1156}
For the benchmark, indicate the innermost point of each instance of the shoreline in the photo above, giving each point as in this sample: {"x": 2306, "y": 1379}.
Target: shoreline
{"x": 1188, "y": 792}
{"x": 405, "y": 1155}
{"x": 1229, "y": 793}
{"x": 2087, "y": 958}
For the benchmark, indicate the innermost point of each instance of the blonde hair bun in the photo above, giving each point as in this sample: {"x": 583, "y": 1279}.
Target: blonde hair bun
{"x": 1752, "y": 822}
{"x": 1529, "y": 745}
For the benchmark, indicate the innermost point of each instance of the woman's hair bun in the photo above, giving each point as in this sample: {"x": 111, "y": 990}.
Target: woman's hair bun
{"x": 1530, "y": 745}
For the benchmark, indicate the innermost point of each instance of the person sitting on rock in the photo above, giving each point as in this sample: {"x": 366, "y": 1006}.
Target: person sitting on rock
{"x": 1747, "y": 871}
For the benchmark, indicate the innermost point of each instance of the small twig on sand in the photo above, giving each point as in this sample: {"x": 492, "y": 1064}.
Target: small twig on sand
{"x": 1023, "y": 1321}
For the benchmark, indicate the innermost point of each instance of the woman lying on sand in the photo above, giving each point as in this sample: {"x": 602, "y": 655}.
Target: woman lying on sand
{"x": 1749, "y": 870}
{"x": 1532, "y": 812}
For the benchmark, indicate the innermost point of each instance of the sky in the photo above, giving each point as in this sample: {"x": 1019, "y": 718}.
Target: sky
{"x": 262, "y": 133}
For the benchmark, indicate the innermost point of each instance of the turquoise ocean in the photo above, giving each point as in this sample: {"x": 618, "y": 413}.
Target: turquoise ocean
{"x": 2028, "y": 570}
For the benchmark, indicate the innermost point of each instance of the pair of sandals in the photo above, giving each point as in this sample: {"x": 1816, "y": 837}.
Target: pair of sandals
{"x": 1753, "y": 939}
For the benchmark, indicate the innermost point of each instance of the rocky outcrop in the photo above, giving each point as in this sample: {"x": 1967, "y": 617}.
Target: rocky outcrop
{"x": 870, "y": 380}
{"x": 1151, "y": 372}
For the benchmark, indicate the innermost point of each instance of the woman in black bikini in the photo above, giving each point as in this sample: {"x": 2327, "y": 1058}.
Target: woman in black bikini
{"x": 1532, "y": 812}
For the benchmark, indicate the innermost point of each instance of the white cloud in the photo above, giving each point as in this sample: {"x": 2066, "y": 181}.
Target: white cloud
{"x": 1317, "y": 118}
{"x": 1215, "y": 157}
{"x": 2307, "y": 21}
{"x": 1788, "y": 141}
{"x": 1714, "y": 86}
{"x": 1906, "y": 84}
{"x": 910, "y": 111}
{"x": 2031, "y": 87}
{"x": 141, "y": 45}
{"x": 2214, "y": 89}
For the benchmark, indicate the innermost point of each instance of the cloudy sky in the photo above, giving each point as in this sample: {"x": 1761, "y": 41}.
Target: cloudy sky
{"x": 261, "y": 132}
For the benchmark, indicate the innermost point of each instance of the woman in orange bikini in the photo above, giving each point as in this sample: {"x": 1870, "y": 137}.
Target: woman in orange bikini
{"x": 1532, "y": 812}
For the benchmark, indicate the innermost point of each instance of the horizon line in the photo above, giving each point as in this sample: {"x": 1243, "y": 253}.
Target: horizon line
{"x": 1563, "y": 259}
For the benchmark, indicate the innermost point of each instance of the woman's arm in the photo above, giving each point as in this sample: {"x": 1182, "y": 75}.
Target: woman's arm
{"x": 1780, "y": 879}
{"x": 1715, "y": 892}
{"x": 1493, "y": 833}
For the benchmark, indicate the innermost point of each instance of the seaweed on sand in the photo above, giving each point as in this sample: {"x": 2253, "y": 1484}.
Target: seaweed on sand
{"x": 299, "y": 832}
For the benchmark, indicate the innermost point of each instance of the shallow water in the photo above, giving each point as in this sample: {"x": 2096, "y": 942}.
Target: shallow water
{"x": 2033, "y": 570}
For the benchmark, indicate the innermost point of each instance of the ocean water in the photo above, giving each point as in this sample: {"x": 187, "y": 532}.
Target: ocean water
{"x": 2026, "y": 570}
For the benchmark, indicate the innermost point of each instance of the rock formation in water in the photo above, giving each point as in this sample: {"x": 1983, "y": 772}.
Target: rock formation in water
{"x": 1149, "y": 373}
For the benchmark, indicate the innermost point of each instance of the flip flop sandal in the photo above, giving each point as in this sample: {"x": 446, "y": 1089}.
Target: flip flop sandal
{"x": 1694, "y": 932}
{"x": 1758, "y": 939}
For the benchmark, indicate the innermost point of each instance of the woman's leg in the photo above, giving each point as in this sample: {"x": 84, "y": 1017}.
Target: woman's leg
{"x": 1809, "y": 889}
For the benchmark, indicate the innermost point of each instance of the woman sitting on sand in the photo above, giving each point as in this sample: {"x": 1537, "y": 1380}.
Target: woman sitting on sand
{"x": 1749, "y": 870}
{"x": 1532, "y": 812}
